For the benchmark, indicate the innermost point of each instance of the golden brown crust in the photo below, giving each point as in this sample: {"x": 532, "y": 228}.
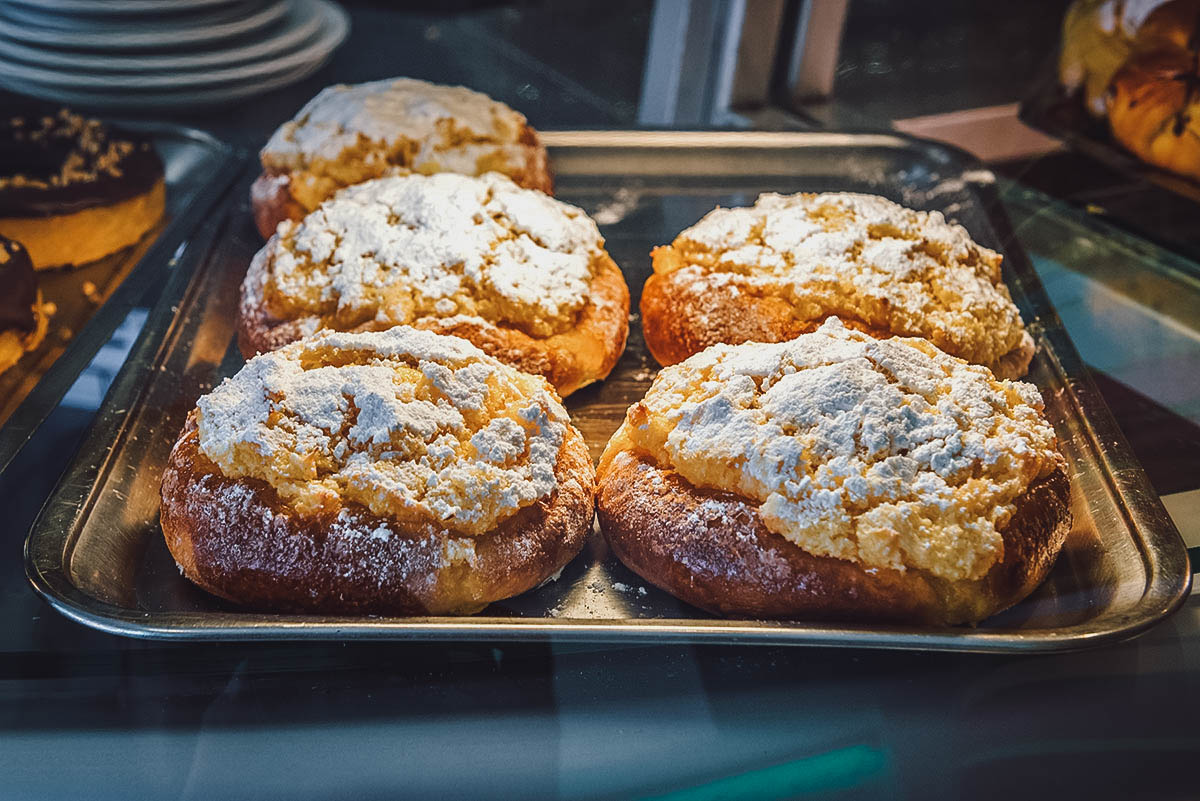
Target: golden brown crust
{"x": 585, "y": 353}
{"x": 89, "y": 234}
{"x": 682, "y": 316}
{"x": 537, "y": 173}
{"x": 236, "y": 539}
{"x": 272, "y": 201}
{"x": 1154, "y": 109}
{"x": 712, "y": 550}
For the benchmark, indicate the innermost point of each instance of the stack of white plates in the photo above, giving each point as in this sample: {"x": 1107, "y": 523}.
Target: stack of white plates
{"x": 163, "y": 53}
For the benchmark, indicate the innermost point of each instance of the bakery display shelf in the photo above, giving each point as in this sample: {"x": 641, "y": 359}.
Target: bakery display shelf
{"x": 94, "y": 299}
{"x": 1050, "y": 110}
{"x": 97, "y": 554}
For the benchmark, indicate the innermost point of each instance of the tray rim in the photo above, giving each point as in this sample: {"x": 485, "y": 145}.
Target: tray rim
{"x": 45, "y": 395}
{"x": 1168, "y": 575}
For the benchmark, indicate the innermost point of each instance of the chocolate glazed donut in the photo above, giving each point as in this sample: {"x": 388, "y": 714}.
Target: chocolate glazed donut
{"x": 73, "y": 190}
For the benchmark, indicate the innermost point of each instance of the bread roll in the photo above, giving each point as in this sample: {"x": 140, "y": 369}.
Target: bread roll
{"x": 24, "y": 317}
{"x": 523, "y": 276}
{"x": 836, "y": 476}
{"x": 777, "y": 269}
{"x": 1098, "y": 37}
{"x": 348, "y": 134}
{"x": 1154, "y": 104}
{"x": 399, "y": 472}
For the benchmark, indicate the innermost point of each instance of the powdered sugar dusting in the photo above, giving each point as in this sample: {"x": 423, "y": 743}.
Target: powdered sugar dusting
{"x": 450, "y": 124}
{"x": 415, "y": 426}
{"x": 861, "y": 257}
{"x": 889, "y": 453}
{"x": 396, "y": 249}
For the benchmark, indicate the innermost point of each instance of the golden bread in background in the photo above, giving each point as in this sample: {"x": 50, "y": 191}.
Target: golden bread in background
{"x": 1138, "y": 63}
{"x": 1097, "y": 38}
{"x": 348, "y": 134}
{"x": 1154, "y": 106}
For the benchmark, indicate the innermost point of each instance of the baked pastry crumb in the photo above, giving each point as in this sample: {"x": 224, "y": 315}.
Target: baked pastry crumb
{"x": 780, "y": 267}
{"x": 522, "y": 275}
{"x": 416, "y": 473}
{"x": 348, "y": 134}
{"x": 872, "y": 457}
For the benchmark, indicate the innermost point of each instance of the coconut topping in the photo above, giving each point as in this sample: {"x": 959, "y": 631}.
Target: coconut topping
{"x": 889, "y": 453}
{"x": 860, "y": 257}
{"x": 62, "y": 149}
{"x": 417, "y": 427}
{"x": 393, "y": 250}
{"x": 350, "y": 133}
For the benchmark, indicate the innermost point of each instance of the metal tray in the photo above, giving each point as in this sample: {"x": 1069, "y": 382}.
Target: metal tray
{"x": 97, "y": 553}
{"x": 198, "y": 170}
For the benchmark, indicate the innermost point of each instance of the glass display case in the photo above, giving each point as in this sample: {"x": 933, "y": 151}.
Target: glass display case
{"x": 1103, "y": 256}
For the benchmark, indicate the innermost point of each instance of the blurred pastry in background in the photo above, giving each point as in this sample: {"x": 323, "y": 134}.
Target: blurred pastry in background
{"x": 348, "y": 134}
{"x": 1155, "y": 109}
{"x": 1139, "y": 64}
{"x": 1098, "y": 36}
{"x": 24, "y": 318}
{"x": 1154, "y": 102}
{"x": 73, "y": 190}
{"x": 523, "y": 276}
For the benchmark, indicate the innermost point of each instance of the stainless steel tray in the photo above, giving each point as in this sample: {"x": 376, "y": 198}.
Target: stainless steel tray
{"x": 97, "y": 553}
{"x": 198, "y": 170}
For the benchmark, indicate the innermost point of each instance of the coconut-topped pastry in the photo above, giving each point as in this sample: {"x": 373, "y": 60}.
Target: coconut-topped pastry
{"x": 74, "y": 190}
{"x": 348, "y": 134}
{"x": 777, "y": 269}
{"x": 522, "y": 275}
{"x": 24, "y": 317}
{"x": 393, "y": 472}
{"x": 839, "y": 476}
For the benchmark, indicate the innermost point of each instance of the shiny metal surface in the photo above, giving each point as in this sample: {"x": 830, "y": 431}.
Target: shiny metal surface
{"x": 96, "y": 552}
{"x": 198, "y": 170}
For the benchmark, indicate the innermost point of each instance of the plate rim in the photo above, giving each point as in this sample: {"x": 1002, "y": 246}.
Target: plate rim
{"x": 329, "y": 36}
{"x": 270, "y": 12}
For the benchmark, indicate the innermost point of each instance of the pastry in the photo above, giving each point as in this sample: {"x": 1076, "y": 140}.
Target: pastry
{"x": 349, "y": 134}
{"x": 73, "y": 190}
{"x": 396, "y": 472}
{"x": 24, "y": 318}
{"x": 1155, "y": 110}
{"x": 1154, "y": 99}
{"x": 1138, "y": 61}
{"x": 1098, "y": 36}
{"x": 770, "y": 272}
{"x": 523, "y": 276}
{"x": 836, "y": 476}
